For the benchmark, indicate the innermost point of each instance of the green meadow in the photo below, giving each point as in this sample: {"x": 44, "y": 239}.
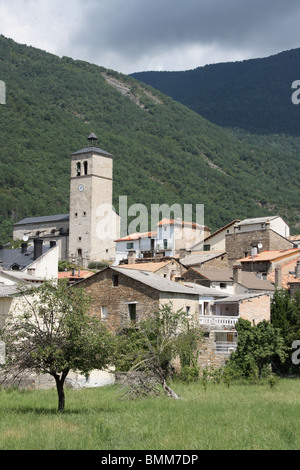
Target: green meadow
{"x": 239, "y": 417}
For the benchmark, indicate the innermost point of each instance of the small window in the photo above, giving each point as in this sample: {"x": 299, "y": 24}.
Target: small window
{"x": 132, "y": 312}
{"x": 84, "y": 214}
{"x": 78, "y": 169}
{"x": 223, "y": 285}
{"x": 165, "y": 244}
{"x": 85, "y": 168}
{"x": 104, "y": 313}
{"x": 115, "y": 280}
{"x": 188, "y": 310}
{"x": 206, "y": 248}
{"x": 129, "y": 246}
{"x": 79, "y": 253}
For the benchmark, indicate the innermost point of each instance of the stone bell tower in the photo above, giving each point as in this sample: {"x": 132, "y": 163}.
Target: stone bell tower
{"x": 94, "y": 224}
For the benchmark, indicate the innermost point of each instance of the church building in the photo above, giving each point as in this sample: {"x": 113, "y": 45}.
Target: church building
{"x": 88, "y": 232}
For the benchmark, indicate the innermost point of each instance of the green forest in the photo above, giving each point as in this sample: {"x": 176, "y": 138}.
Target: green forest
{"x": 163, "y": 151}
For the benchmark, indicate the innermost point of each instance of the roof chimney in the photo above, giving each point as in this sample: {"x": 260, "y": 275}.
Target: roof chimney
{"x": 278, "y": 277}
{"x": 237, "y": 272}
{"x": 24, "y": 248}
{"x": 297, "y": 273}
{"x": 38, "y": 248}
{"x": 131, "y": 257}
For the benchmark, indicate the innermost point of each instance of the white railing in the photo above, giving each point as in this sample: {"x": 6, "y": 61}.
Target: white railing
{"x": 218, "y": 320}
{"x": 225, "y": 347}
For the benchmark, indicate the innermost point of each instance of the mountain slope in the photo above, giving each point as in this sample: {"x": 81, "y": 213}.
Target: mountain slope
{"x": 254, "y": 95}
{"x": 164, "y": 152}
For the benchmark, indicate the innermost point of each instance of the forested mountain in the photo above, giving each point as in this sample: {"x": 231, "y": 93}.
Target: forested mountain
{"x": 164, "y": 152}
{"x": 254, "y": 95}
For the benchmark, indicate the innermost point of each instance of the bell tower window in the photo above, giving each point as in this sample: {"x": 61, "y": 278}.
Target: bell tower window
{"x": 78, "y": 169}
{"x": 85, "y": 168}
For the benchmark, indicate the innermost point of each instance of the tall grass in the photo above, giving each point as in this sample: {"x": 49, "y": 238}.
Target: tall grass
{"x": 235, "y": 417}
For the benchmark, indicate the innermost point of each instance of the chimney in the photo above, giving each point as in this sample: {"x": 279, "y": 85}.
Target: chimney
{"x": 237, "y": 273}
{"x": 278, "y": 277}
{"x": 131, "y": 257}
{"x": 24, "y": 248}
{"x": 297, "y": 273}
{"x": 38, "y": 248}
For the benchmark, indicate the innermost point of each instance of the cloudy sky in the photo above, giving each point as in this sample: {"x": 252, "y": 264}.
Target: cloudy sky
{"x": 135, "y": 35}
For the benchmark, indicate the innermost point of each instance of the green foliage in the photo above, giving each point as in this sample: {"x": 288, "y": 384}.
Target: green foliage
{"x": 164, "y": 153}
{"x": 258, "y": 345}
{"x": 53, "y": 334}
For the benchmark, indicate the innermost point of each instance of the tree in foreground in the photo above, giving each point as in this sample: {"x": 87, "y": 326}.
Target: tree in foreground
{"x": 258, "y": 345}
{"x": 148, "y": 351}
{"x": 53, "y": 334}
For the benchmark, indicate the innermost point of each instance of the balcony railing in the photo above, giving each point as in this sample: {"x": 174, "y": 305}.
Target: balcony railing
{"x": 163, "y": 247}
{"x": 218, "y": 320}
{"x": 225, "y": 347}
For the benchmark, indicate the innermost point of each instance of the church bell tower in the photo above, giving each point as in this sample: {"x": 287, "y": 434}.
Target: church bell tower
{"x": 94, "y": 225}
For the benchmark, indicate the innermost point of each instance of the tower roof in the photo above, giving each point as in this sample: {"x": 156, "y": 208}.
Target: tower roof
{"x": 93, "y": 148}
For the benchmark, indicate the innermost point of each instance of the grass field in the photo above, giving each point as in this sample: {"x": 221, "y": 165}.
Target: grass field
{"x": 254, "y": 417}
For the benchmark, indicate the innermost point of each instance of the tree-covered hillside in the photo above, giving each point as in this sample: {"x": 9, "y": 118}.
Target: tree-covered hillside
{"x": 164, "y": 152}
{"x": 254, "y": 95}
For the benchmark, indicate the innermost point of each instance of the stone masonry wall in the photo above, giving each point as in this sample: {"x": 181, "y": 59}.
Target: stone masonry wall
{"x": 258, "y": 309}
{"x": 116, "y": 299}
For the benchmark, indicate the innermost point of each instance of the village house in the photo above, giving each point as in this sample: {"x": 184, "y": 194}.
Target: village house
{"x": 39, "y": 260}
{"x": 169, "y": 268}
{"x": 176, "y": 237}
{"x": 266, "y": 262}
{"x": 252, "y": 236}
{"x": 138, "y": 245}
{"x": 121, "y": 296}
{"x": 230, "y": 281}
{"x": 207, "y": 259}
{"x": 216, "y": 240}
{"x": 220, "y": 338}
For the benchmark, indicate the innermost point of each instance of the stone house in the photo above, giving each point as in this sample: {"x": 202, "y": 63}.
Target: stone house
{"x": 206, "y": 259}
{"x": 120, "y": 296}
{"x": 253, "y": 236}
{"x": 220, "y": 338}
{"x": 230, "y": 281}
{"x": 169, "y": 268}
{"x": 266, "y": 262}
{"x": 216, "y": 240}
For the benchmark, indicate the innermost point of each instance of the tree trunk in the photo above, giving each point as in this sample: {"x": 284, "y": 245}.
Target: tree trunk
{"x": 60, "y": 381}
{"x": 168, "y": 391}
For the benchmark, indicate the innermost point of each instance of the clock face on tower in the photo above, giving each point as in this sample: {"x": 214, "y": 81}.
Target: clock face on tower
{"x": 80, "y": 187}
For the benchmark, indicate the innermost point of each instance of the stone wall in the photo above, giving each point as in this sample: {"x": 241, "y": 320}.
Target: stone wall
{"x": 257, "y": 309}
{"x": 237, "y": 244}
{"x": 116, "y": 299}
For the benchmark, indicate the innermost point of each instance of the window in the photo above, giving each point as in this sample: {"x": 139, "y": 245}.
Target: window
{"x": 206, "y": 248}
{"x": 85, "y": 168}
{"x": 78, "y": 169}
{"x": 188, "y": 310}
{"x": 129, "y": 246}
{"x": 79, "y": 253}
{"x": 165, "y": 244}
{"x": 104, "y": 313}
{"x": 115, "y": 280}
{"x": 223, "y": 285}
{"x": 132, "y": 312}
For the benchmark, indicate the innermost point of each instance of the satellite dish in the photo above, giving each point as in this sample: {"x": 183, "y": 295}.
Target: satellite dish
{"x": 25, "y": 238}
{"x": 259, "y": 245}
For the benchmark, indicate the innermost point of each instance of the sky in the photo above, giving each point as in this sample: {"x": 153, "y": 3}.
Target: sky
{"x": 167, "y": 35}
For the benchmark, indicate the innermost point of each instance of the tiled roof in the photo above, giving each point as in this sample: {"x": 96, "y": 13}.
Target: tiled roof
{"x": 183, "y": 223}
{"x": 199, "y": 258}
{"x": 270, "y": 255}
{"x": 137, "y": 236}
{"x": 152, "y": 267}
{"x": 69, "y": 274}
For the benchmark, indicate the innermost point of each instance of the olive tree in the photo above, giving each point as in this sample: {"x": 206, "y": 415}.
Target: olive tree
{"x": 53, "y": 333}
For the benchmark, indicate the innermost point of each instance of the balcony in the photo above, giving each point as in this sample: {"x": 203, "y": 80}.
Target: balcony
{"x": 225, "y": 347}
{"x": 220, "y": 321}
{"x": 162, "y": 247}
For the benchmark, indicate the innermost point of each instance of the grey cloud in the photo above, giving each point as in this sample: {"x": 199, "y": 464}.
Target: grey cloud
{"x": 134, "y": 28}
